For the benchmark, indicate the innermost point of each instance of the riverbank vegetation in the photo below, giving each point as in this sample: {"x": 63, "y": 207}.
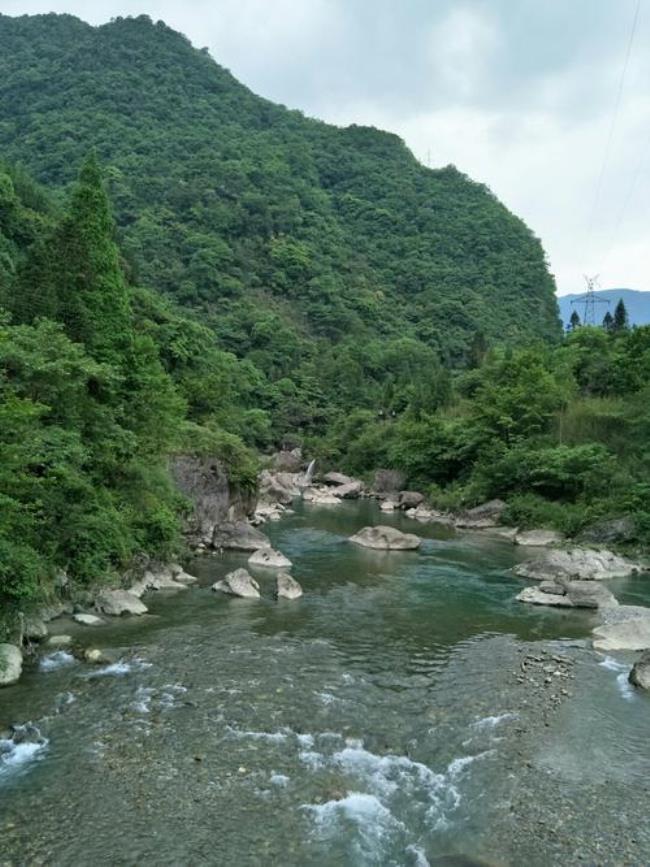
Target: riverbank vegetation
{"x": 560, "y": 432}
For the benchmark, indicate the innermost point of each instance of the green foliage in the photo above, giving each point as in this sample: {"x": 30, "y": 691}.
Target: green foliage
{"x": 92, "y": 405}
{"x": 307, "y": 249}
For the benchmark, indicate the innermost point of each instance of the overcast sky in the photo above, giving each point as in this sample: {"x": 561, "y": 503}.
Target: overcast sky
{"x": 519, "y": 94}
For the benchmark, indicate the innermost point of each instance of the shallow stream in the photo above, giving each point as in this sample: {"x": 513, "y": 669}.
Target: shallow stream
{"x": 382, "y": 719}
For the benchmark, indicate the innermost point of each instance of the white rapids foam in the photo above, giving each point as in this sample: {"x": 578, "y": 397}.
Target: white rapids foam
{"x": 58, "y": 659}
{"x": 116, "y": 669}
{"x": 623, "y": 669}
{"x": 491, "y": 722}
{"x": 15, "y": 755}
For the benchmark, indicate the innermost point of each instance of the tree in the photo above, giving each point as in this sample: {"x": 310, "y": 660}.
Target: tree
{"x": 574, "y": 322}
{"x": 75, "y": 275}
{"x": 621, "y": 319}
{"x": 608, "y": 321}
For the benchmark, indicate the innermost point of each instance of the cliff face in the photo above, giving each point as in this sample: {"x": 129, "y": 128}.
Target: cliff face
{"x": 204, "y": 481}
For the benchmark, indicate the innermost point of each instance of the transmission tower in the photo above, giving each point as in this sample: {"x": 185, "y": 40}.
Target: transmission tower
{"x": 589, "y": 301}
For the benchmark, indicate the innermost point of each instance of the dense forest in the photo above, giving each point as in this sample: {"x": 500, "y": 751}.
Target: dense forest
{"x": 312, "y": 251}
{"x": 187, "y": 267}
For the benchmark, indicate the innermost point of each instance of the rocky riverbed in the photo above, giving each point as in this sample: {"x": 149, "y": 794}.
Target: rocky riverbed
{"x": 404, "y": 708}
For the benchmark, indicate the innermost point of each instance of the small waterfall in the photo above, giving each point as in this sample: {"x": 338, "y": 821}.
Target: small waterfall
{"x": 309, "y": 474}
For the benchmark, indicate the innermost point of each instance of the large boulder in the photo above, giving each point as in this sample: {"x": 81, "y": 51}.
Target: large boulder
{"x": 34, "y": 629}
{"x": 204, "y": 481}
{"x": 287, "y": 587}
{"x": 287, "y": 461}
{"x": 640, "y": 674}
{"x": 388, "y": 481}
{"x": 160, "y": 578}
{"x": 349, "y": 491}
{"x": 239, "y": 536}
{"x": 320, "y": 497}
{"x": 386, "y": 539}
{"x": 239, "y": 583}
{"x": 118, "y": 602}
{"x": 624, "y": 628}
{"x": 582, "y": 564}
{"x": 410, "y": 499}
{"x": 11, "y": 664}
{"x": 269, "y": 559}
{"x": 538, "y": 538}
{"x": 486, "y": 515}
{"x": 589, "y": 594}
{"x": 613, "y": 531}
{"x": 278, "y": 487}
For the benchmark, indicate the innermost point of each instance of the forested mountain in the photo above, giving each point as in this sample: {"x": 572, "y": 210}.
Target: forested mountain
{"x": 329, "y": 258}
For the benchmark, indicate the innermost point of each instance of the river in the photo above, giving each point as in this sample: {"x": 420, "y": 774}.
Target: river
{"x": 382, "y": 719}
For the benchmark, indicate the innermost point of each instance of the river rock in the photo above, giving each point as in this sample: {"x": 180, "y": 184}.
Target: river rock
{"x": 337, "y": 479}
{"x": 239, "y": 536}
{"x": 582, "y": 564}
{"x": 537, "y": 596}
{"x": 96, "y": 656}
{"x": 87, "y": 619}
{"x": 239, "y": 583}
{"x": 386, "y": 539}
{"x": 388, "y": 506}
{"x": 410, "y": 499}
{"x": 269, "y": 558}
{"x": 624, "y": 628}
{"x": 589, "y": 594}
{"x": 287, "y": 461}
{"x": 118, "y": 602}
{"x": 287, "y": 587}
{"x": 486, "y": 515}
{"x": 11, "y": 664}
{"x": 54, "y": 610}
{"x": 538, "y": 538}
{"x": 610, "y": 532}
{"x": 388, "y": 481}
{"x": 278, "y": 487}
{"x": 349, "y": 491}
{"x": 320, "y": 496}
{"x": 34, "y": 629}
{"x": 640, "y": 674}
{"x": 59, "y": 641}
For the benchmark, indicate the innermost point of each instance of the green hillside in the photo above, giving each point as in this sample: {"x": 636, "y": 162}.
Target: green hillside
{"x": 313, "y": 251}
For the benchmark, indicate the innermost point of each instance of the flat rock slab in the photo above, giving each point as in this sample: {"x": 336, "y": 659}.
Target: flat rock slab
{"x": 320, "y": 496}
{"x": 87, "y": 619}
{"x": 626, "y": 635}
{"x": 582, "y": 564}
{"x": 538, "y": 538}
{"x": 270, "y": 559}
{"x": 535, "y": 596}
{"x": 572, "y": 594}
{"x": 386, "y": 539}
{"x": 239, "y": 583}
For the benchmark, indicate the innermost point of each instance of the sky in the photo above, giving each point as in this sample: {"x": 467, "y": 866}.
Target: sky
{"x": 545, "y": 101}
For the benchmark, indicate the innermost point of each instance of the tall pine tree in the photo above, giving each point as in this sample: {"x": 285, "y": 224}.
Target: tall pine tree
{"x": 74, "y": 276}
{"x": 621, "y": 320}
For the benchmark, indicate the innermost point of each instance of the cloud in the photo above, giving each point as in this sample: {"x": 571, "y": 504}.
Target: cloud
{"x": 519, "y": 95}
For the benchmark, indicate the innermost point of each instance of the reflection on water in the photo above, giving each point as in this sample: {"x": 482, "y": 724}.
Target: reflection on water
{"x": 375, "y": 721}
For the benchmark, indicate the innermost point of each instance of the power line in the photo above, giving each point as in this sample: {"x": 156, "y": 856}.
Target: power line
{"x": 612, "y": 126}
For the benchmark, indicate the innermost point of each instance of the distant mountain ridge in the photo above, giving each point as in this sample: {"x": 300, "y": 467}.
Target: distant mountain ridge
{"x": 636, "y": 301}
